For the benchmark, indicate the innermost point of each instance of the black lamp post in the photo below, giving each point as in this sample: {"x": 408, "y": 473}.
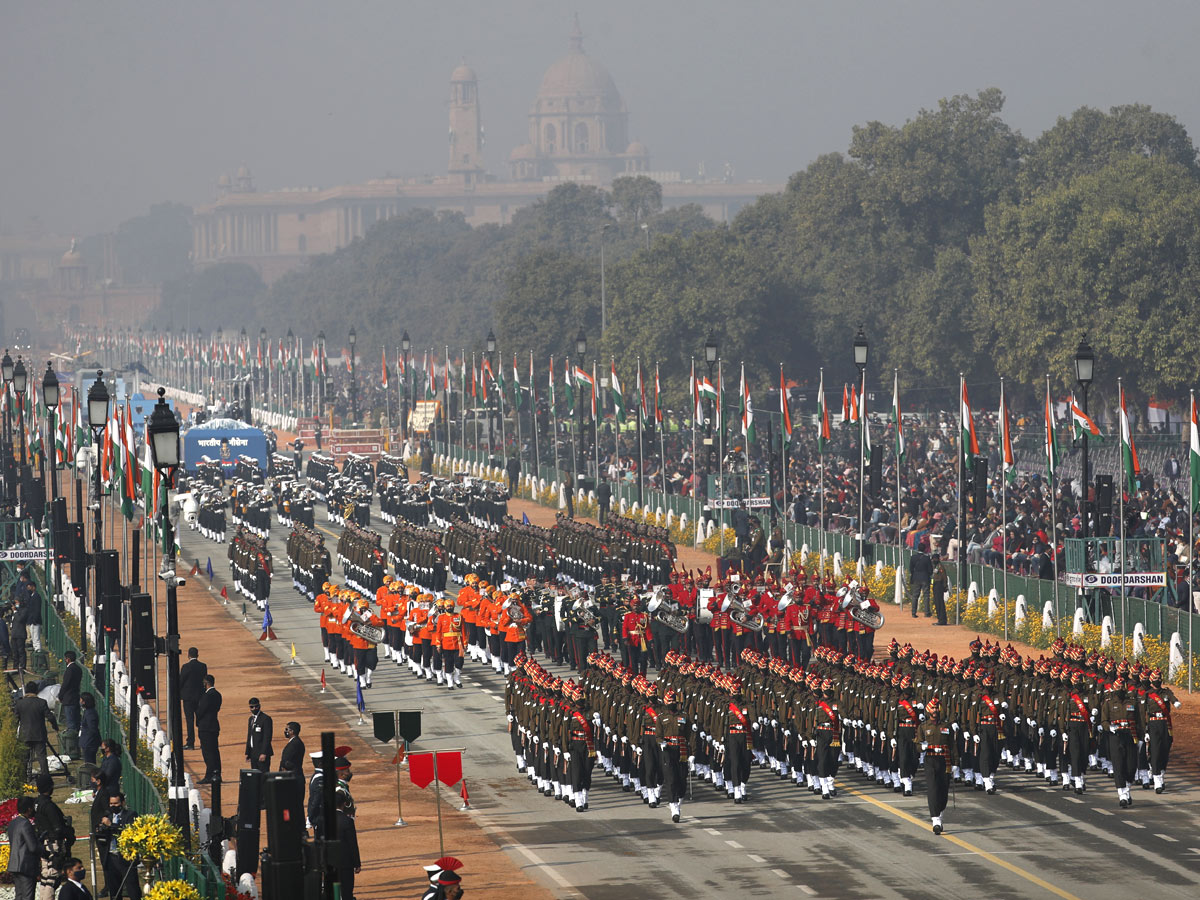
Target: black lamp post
{"x": 163, "y": 430}
{"x": 490, "y": 346}
{"x": 264, "y": 353}
{"x": 6, "y": 369}
{"x": 50, "y": 397}
{"x": 861, "y": 350}
{"x": 580, "y": 352}
{"x": 353, "y": 378}
{"x": 98, "y": 408}
{"x": 405, "y": 346}
{"x": 20, "y": 381}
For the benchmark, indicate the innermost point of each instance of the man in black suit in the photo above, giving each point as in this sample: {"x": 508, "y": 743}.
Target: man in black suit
{"x": 32, "y": 712}
{"x": 291, "y": 758}
{"x": 208, "y": 725}
{"x": 920, "y": 576}
{"x": 191, "y": 686}
{"x": 24, "y": 859}
{"x": 259, "y": 732}
{"x": 68, "y": 696}
{"x": 75, "y": 888}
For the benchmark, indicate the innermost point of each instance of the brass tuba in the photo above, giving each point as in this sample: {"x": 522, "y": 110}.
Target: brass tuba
{"x": 740, "y": 616}
{"x": 665, "y": 615}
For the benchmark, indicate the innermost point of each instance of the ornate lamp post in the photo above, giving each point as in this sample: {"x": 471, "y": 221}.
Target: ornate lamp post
{"x": 405, "y": 385}
{"x": 98, "y": 410}
{"x": 861, "y": 351}
{"x": 353, "y": 378}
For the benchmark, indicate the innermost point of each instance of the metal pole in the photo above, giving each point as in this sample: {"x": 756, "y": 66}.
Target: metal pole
{"x": 1081, "y": 594}
{"x": 178, "y": 801}
{"x": 862, "y": 465}
{"x": 962, "y": 494}
{"x": 1003, "y": 506}
{"x": 1121, "y": 546}
{"x": 721, "y": 449}
{"x": 640, "y": 439}
{"x": 821, "y": 465}
{"x": 1191, "y": 584}
{"x": 1053, "y": 514}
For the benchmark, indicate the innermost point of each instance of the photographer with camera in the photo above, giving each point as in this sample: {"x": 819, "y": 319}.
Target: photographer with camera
{"x": 120, "y": 873}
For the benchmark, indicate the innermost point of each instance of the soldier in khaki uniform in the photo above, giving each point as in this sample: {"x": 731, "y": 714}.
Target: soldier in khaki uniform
{"x": 938, "y": 744}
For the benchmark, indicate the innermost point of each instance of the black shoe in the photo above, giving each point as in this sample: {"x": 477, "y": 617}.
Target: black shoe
{"x": 1145, "y": 786}
{"x": 937, "y": 829}
{"x": 1079, "y": 790}
{"x": 675, "y": 818}
{"x": 188, "y": 747}
{"x": 991, "y": 790}
{"x": 1124, "y": 803}
{"x": 653, "y": 804}
{"x": 824, "y": 796}
{"x": 627, "y": 788}
{"x": 1157, "y": 790}
{"x": 897, "y": 789}
{"x": 737, "y": 800}
{"x": 908, "y": 793}
{"x": 204, "y": 780}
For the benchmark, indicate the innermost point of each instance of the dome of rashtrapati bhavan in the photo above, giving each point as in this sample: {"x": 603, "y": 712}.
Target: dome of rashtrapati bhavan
{"x": 578, "y": 131}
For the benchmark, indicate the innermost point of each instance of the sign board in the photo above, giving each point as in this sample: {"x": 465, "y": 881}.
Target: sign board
{"x": 751, "y": 503}
{"x": 23, "y": 555}
{"x": 384, "y": 726}
{"x": 422, "y": 418}
{"x": 1116, "y": 579}
{"x": 408, "y": 724}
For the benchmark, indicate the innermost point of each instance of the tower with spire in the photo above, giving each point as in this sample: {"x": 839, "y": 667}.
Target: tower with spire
{"x": 466, "y": 127}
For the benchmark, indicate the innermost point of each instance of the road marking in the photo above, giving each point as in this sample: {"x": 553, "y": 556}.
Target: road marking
{"x": 1167, "y": 837}
{"x": 1104, "y": 812}
{"x": 540, "y": 863}
{"x": 1134, "y": 824}
{"x": 753, "y": 858}
{"x": 780, "y": 873}
{"x": 497, "y": 699}
{"x": 807, "y": 890}
{"x": 712, "y": 831}
{"x": 1074, "y": 799}
{"x": 990, "y": 857}
{"x": 1195, "y": 849}
{"x": 485, "y": 690}
{"x": 735, "y": 845}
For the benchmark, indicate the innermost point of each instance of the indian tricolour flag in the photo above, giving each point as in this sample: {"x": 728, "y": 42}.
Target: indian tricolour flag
{"x": 1080, "y": 423}
{"x": 785, "y": 415}
{"x": 1194, "y": 454}
{"x": 823, "y": 434}
{"x": 970, "y": 444}
{"x": 897, "y": 417}
{"x": 747, "y": 410}
{"x": 618, "y": 393}
{"x": 1051, "y": 439}
{"x": 1007, "y": 462}
{"x": 1129, "y": 457}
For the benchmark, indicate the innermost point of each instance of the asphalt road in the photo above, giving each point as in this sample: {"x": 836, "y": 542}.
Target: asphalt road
{"x": 1028, "y": 840}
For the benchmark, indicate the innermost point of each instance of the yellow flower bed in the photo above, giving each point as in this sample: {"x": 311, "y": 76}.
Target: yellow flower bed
{"x": 151, "y": 839}
{"x": 174, "y": 889}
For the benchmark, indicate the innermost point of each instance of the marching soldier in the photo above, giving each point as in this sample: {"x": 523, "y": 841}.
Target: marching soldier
{"x": 674, "y": 732}
{"x": 1159, "y": 729}
{"x": 937, "y": 742}
{"x": 1121, "y": 718}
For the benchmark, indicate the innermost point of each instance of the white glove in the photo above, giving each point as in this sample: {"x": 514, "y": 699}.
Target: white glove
{"x": 695, "y": 727}
{"x": 754, "y": 726}
{"x": 1053, "y": 732}
{"x": 662, "y": 745}
{"x": 774, "y": 723}
{"x": 787, "y": 733}
{"x": 1095, "y": 712}
{"x": 624, "y": 740}
{"x": 1176, "y": 704}
{"x": 1004, "y": 706}
{"x": 977, "y": 739}
{"x": 924, "y": 746}
{"x": 955, "y": 726}
{"x": 1003, "y": 717}
{"x": 1016, "y": 720}
{"x": 921, "y": 717}
{"x": 812, "y": 743}
{"x": 1112, "y": 728}
{"x": 703, "y": 736}
{"x": 1041, "y": 731}
{"x": 511, "y": 717}
{"x": 567, "y": 757}
{"x": 536, "y": 739}
{"x": 893, "y": 742}
{"x": 966, "y": 735}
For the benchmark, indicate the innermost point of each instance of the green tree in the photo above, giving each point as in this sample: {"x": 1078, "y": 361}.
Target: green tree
{"x": 549, "y": 295}
{"x": 636, "y": 198}
{"x": 223, "y": 296}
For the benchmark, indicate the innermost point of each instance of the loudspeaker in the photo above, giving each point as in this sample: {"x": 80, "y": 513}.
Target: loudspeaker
{"x": 980, "y": 467}
{"x": 60, "y": 533}
{"x": 141, "y": 621}
{"x": 285, "y": 833}
{"x": 108, "y": 574}
{"x": 79, "y": 560}
{"x": 141, "y": 664}
{"x": 875, "y": 472}
{"x": 249, "y": 805}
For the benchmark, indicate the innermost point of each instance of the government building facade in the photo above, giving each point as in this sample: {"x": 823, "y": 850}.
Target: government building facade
{"x": 578, "y": 131}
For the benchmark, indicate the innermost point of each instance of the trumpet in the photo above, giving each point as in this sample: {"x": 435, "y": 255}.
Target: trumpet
{"x": 740, "y": 616}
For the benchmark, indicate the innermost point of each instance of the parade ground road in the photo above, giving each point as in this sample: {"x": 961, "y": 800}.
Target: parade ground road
{"x": 1027, "y": 841}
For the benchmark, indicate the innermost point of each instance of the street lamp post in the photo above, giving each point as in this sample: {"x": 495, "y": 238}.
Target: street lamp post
{"x": 353, "y": 378}
{"x": 244, "y": 347}
{"x": 10, "y": 481}
{"x": 712, "y": 351}
{"x": 1085, "y": 365}
{"x": 98, "y": 409}
{"x": 321, "y": 373}
{"x": 163, "y": 430}
{"x": 861, "y": 349}
{"x": 50, "y": 397}
{"x": 580, "y": 352}
{"x": 264, "y": 377}
{"x": 20, "y": 380}
{"x": 405, "y": 346}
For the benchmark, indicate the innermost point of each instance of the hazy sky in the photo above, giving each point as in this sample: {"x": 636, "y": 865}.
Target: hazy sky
{"x": 110, "y": 106}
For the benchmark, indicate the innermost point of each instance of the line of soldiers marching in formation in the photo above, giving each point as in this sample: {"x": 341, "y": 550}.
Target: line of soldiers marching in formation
{"x": 585, "y": 553}
{"x": 251, "y": 566}
{"x": 961, "y": 720}
{"x": 310, "y": 560}
{"x": 250, "y": 507}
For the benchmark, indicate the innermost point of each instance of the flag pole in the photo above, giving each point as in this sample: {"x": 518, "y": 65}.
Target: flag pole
{"x": 641, "y": 401}
{"x": 1121, "y": 548}
{"x": 721, "y": 450}
{"x": 1003, "y": 501}
{"x": 821, "y": 466}
{"x": 962, "y": 494}
{"x": 595, "y": 425}
{"x": 533, "y": 424}
{"x": 1050, "y": 468}
{"x": 517, "y": 403}
{"x": 553, "y": 400}
{"x": 695, "y": 462}
{"x": 1191, "y": 605}
{"x": 783, "y": 443}
{"x": 899, "y": 459}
